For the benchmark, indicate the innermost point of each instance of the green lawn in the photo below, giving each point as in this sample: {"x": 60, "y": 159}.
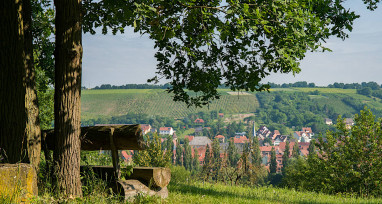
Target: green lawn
{"x": 218, "y": 193}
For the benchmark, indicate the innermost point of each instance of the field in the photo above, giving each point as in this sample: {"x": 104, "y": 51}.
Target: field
{"x": 157, "y": 102}
{"x": 115, "y": 102}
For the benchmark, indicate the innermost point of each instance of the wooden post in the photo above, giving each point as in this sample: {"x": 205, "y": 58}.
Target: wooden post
{"x": 114, "y": 155}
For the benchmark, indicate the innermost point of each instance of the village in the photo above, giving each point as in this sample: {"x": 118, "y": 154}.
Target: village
{"x": 268, "y": 140}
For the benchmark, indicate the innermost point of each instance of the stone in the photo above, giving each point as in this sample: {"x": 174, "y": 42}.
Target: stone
{"x": 18, "y": 182}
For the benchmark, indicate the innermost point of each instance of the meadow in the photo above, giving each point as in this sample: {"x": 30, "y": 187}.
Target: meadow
{"x": 200, "y": 192}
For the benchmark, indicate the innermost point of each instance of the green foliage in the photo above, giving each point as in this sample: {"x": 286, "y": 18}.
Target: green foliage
{"x": 187, "y": 156}
{"x": 179, "y": 175}
{"x": 365, "y": 91}
{"x": 179, "y": 154}
{"x": 286, "y": 156}
{"x": 296, "y": 150}
{"x": 195, "y": 161}
{"x": 233, "y": 155}
{"x": 273, "y": 164}
{"x": 153, "y": 156}
{"x": 348, "y": 161}
{"x": 256, "y": 153}
{"x": 201, "y": 45}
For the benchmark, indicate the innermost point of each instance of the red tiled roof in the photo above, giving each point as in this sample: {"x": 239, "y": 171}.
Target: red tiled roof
{"x": 145, "y": 127}
{"x": 199, "y": 120}
{"x": 165, "y": 128}
{"x": 220, "y": 136}
{"x": 266, "y": 148}
{"x": 240, "y": 139}
{"x": 307, "y": 129}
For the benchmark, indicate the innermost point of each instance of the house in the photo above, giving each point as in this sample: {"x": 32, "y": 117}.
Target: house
{"x": 146, "y": 128}
{"x": 166, "y": 131}
{"x": 305, "y": 135}
{"x": 240, "y": 133}
{"x": 221, "y": 138}
{"x": 200, "y": 142}
{"x": 301, "y": 136}
{"x": 265, "y": 151}
{"x": 201, "y": 154}
{"x": 279, "y": 139}
{"x": 282, "y": 147}
{"x": 308, "y": 131}
{"x": 263, "y": 132}
{"x": 328, "y": 121}
{"x": 221, "y": 115}
{"x": 240, "y": 139}
{"x": 304, "y": 148}
{"x": 199, "y": 121}
{"x": 274, "y": 134}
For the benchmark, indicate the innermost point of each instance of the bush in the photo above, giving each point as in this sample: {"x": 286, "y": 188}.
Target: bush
{"x": 348, "y": 161}
{"x": 179, "y": 175}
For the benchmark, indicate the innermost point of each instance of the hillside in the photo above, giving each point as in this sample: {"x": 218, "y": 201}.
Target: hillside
{"x": 282, "y": 108}
{"x": 117, "y": 102}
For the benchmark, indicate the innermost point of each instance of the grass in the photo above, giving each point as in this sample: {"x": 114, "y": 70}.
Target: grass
{"x": 198, "y": 192}
{"x": 219, "y": 193}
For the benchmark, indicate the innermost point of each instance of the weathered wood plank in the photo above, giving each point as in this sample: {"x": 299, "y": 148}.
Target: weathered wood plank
{"x": 154, "y": 176}
{"x": 98, "y": 137}
{"x": 157, "y": 177}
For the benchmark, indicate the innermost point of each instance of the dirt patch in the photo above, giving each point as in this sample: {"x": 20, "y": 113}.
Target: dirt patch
{"x": 238, "y": 93}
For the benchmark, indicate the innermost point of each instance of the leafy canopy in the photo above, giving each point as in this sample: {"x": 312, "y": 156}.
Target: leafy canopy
{"x": 203, "y": 44}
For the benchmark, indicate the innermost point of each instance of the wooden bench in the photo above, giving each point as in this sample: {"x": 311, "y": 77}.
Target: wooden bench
{"x": 150, "y": 180}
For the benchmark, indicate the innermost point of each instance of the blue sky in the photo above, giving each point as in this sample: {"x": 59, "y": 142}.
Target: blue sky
{"x": 129, "y": 58}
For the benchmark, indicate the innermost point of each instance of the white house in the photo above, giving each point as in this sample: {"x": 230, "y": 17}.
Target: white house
{"x": 166, "y": 131}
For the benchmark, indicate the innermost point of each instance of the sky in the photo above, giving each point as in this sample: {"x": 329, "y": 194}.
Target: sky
{"x": 129, "y": 58}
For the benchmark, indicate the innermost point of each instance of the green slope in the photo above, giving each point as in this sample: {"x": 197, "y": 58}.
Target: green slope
{"x": 116, "y": 102}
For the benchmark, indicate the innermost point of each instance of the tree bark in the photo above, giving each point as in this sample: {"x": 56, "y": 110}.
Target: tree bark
{"x": 13, "y": 143}
{"x": 33, "y": 130}
{"x": 67, "y": 106}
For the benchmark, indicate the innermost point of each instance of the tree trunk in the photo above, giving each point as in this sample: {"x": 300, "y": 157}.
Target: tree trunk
{"x": 13, "y": 143}
{"x": 33, "y": 130}
{"x": 67, "y": 103}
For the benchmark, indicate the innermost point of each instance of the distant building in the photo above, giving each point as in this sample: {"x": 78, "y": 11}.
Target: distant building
{"x": 200, "y": 142}
{"x": 263, "y": 132}
{"x": 305, "y": 135}
{"x": 274, "y": 134}
{"x": 239, "y": 142}
{"x": 199, "y": 121}
{"x": 166, "y": 131}
{"x": 145, "y": 128}
{"x": 241, "y": 133}
{"x": 279, "y": 139}
{"x": 221, "y": 138}
{"x": 221, "y": 115}
{"x": 328, "y": 121}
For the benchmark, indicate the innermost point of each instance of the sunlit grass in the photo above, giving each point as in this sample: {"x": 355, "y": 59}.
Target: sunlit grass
{"x": 219, "y": 193}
